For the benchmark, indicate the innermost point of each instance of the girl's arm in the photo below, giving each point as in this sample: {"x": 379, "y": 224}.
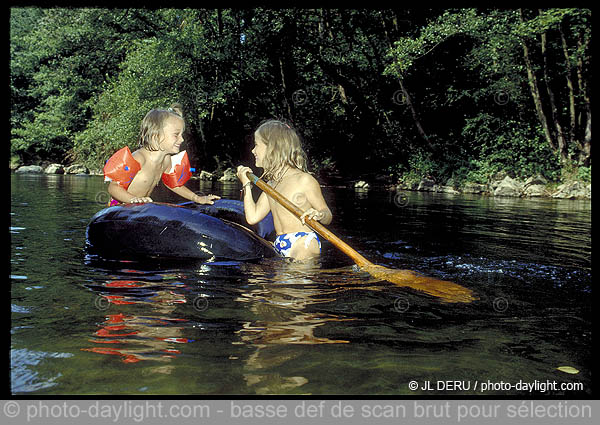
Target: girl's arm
{"x": 319, "y": 210}
{"x": 121, "y": 195}
{"x": 254, "y": 211}
{"x": 188, "y": 194}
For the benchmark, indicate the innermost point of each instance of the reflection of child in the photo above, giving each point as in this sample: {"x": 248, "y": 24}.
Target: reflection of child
{"x": 133, "y": 176}
{"x": 278, "y": 151}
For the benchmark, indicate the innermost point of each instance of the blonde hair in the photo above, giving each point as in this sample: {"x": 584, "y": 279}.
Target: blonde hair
{"x": 284, "y": 147}
{"x": 152, "y": 125}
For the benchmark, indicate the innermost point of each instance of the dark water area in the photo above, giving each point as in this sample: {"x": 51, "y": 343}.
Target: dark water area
{"x": 82, "y": 324}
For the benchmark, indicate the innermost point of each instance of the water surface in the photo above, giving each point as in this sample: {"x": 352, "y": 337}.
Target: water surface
{"x": 84, "y": 325}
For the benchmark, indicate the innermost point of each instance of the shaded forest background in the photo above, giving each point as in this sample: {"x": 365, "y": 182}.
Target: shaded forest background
{"x": 377, "y": 94}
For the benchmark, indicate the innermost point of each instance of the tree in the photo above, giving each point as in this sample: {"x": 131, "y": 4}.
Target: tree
{"x": 501, "y": 53}
{"x": 443, "y": 92}
{"x": 567, "y": 117}
{"x": 67, "y": 54}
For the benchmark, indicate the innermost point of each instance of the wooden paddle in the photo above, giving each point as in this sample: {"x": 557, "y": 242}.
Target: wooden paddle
{"x": 448, "y": 291}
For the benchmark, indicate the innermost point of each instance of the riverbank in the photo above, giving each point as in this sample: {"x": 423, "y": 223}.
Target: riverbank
{"x": 501, "y": 185}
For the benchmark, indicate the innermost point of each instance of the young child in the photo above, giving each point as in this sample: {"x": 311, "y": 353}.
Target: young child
{"x": 133, "y": 177}
{"x": 277, "y": 149}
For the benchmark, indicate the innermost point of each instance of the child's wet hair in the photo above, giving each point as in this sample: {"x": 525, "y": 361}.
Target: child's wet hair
{"x": 284, "y": 147}
{"x": 153, "y": 123}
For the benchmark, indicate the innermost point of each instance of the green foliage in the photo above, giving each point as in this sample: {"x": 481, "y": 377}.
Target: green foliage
{"x": 571, "y": 171}
{"x": 421, "y": 164}
{"x": 507, "y": 145}
{"x": 82, "y": 80}
{"x": 146, "y": 81}
{"x": 61, "y": 58}
{"x": 407, "y": 50}
{"x": 585, "y": 174}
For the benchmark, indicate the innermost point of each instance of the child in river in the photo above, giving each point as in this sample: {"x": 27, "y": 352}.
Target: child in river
{"x": 278, "y": 150}
{"x": 133, "y": 177}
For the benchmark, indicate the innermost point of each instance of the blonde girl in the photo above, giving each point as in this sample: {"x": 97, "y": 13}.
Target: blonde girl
{"x": 133, "y": 177}
{"x": 278, "y": 150}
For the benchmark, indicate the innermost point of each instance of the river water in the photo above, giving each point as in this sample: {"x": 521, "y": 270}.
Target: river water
{"x": 83, "y": 325}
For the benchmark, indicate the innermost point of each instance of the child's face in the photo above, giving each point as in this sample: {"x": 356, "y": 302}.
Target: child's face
{"x": 172, "y": 135}
{"x": 260, "y": 148}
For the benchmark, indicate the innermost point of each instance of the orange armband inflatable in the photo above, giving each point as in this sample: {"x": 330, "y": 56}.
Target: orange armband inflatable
{"x": 180, "y": 171}
{"x": 121, "y": 167}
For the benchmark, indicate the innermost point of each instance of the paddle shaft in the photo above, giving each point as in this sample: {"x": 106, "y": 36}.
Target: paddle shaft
{"x": 313, "y": 224}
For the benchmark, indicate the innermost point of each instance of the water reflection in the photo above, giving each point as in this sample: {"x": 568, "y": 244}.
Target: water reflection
{"x": 284, "y": 299}
{"x": 152, "y": 335}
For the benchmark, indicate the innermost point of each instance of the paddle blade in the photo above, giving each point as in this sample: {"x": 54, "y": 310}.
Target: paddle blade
{"x": 447, "y": 291}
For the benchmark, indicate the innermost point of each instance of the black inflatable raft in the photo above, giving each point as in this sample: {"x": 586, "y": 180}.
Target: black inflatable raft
{"x": 186, "y": 230}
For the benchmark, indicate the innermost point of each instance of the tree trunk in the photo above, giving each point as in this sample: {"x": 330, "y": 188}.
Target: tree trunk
{"x": 284, "y": 90}
{"x": 414, "y": 114}
{"x": 559, "y": 134}
{"x": 535, "y": 92}
{"x": 217, "y": 74}
{"x": 572, "y": 111}
{"x": 346, "y": 83}
{"x": 585, "y": 152}
{"x": 406, "y": 96}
